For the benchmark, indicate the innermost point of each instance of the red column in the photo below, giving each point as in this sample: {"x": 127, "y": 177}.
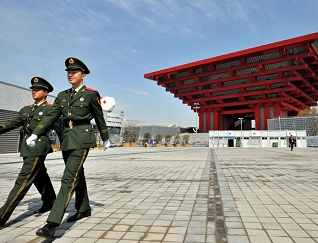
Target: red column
{"x": 277, "y": 111}
{"x": 257, "y": 115}
{"x": 264, "y": 112}
{"x": 267, "y": 115}
{"x": 201, "y": 122}
{"x": 216, "y": 120}
{"x": 205, "y": 121}
{"x": 207, "y": 127}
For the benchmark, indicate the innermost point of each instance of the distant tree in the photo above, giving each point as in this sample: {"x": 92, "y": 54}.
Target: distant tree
{"x": 308, "y": 112}
{"x": 177, "y": 139}
{"x": 168, "y": 138}
{"x": 126, "y": 136}
{"x": 147, "y": 136}
{"x": 133, "y": 137}
{"x": 186, "y": 138}
{"x": 315, "y": 128}
{"x": 158, "y": 137}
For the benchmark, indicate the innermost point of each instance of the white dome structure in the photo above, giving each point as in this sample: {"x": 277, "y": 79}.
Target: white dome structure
{"x": 108, "y": 103}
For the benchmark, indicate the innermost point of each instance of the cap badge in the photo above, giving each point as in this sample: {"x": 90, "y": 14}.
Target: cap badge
{"x": 71, "y": 61}
{"x": 36, "y": 80}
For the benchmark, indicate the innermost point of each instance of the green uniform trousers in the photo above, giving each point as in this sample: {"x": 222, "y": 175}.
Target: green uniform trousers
{"x": 73, "y": 180}
{"x": 33, "y": 171}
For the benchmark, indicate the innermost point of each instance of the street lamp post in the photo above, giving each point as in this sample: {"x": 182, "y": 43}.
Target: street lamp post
{"x": 280, "y": 128}
{"x": 122, "y": 113}
{"x": 241, "y": 118}
{"x": 153, "y": 136}
{"x": 196, "y": 104}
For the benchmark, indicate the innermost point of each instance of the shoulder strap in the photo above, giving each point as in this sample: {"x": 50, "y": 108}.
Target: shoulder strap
{"x": 90, "y": 89}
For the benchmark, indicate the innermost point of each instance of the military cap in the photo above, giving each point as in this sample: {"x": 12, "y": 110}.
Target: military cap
{"x": 75, "y": 63}
{"x": 38, "y": 82}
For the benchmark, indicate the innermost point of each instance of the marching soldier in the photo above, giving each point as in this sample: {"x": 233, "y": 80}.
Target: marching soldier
{"x": 78, "y": 106}
{"x": 33, "y": 169}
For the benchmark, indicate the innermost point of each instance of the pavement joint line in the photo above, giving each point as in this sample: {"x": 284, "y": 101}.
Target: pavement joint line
{"x": 215, "y": 205}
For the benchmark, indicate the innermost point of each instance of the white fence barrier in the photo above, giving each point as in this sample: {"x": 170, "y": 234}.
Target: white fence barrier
{"x": 312, "y": 141}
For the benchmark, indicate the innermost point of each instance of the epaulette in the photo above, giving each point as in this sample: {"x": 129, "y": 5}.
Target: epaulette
{"x": 48, "y": 104}
{"x": 94, "y": 90}
{"x": 66, "y": 90}
{"x": 28, "y": 106}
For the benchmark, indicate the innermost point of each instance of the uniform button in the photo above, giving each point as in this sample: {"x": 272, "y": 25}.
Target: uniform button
{"x": 70, "y": 114}
{"x": 86, "y": 130}
{"x": 28, "y": 125}
{"x": 39, "y": 140}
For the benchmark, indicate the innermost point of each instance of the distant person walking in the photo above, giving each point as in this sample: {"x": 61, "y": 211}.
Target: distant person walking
{"x": 33, "y": 169}
{"x": 77, "y": 105}
{"x": 292, "y": 142}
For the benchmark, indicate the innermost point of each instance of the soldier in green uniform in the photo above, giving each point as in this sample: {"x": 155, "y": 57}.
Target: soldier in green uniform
{"x": 78, "y": 106}
{"x": 33, "y": 169}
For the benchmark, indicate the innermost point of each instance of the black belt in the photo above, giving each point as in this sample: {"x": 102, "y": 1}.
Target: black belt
{"x": 77, "y": 123}
{"x": 27, "y": 132}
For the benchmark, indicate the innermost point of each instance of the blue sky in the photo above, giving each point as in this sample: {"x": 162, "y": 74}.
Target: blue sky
{"x": 121, "y": 40}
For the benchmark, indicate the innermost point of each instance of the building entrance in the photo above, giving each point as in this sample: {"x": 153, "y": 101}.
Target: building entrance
{"x": 230, "y": 143}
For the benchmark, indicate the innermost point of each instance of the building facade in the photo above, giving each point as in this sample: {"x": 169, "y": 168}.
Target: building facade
{"x": 256, "y": 138}
{"x": 257, "y": 84}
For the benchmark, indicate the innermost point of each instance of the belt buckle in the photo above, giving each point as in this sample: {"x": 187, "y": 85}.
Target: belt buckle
{"x": 70, "y": 124}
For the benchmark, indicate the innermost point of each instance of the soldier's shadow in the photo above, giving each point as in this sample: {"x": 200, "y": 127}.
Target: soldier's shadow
{"x": 34, "y": 204}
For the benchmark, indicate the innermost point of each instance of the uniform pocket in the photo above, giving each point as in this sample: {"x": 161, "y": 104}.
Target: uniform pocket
{"x": 86, "y": 134}
{"x": 81, "y": 108}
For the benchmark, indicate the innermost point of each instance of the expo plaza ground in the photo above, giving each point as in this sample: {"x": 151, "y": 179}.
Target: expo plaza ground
{"x": 195, "y": 194}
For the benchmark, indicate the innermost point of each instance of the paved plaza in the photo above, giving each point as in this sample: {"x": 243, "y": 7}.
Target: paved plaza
{"x": 213, "y": 195}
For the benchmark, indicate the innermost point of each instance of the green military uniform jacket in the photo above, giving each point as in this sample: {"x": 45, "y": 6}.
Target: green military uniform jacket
{"x": 29, "y": 119}
{"x": 80, "y": 110}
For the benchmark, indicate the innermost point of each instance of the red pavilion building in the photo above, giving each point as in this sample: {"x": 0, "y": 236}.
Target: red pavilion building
{"x": 269, "y": 81}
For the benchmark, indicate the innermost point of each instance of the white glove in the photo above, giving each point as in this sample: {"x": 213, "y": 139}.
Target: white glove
{"x": 106, "y": 144}
{"x": 31, "y": 140}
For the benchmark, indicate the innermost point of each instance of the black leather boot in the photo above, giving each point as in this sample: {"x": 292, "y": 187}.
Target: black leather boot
{"x": 79, "y": 216}
{"x": 47, "y": 231}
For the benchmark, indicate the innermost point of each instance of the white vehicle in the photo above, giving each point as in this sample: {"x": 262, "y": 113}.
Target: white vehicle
{"x": 115, "y": 144}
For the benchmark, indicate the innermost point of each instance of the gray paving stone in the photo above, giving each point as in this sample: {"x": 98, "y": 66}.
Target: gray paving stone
{"x": 163, "y": 195}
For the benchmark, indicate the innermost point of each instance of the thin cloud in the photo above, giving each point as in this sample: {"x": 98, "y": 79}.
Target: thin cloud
{"x": 173, "y": 17}
{"x": 137, "y": 92}
{"x": 162, "y": 17}
{"x": 127, "y": 90}
{"x": 140, "y": 92}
